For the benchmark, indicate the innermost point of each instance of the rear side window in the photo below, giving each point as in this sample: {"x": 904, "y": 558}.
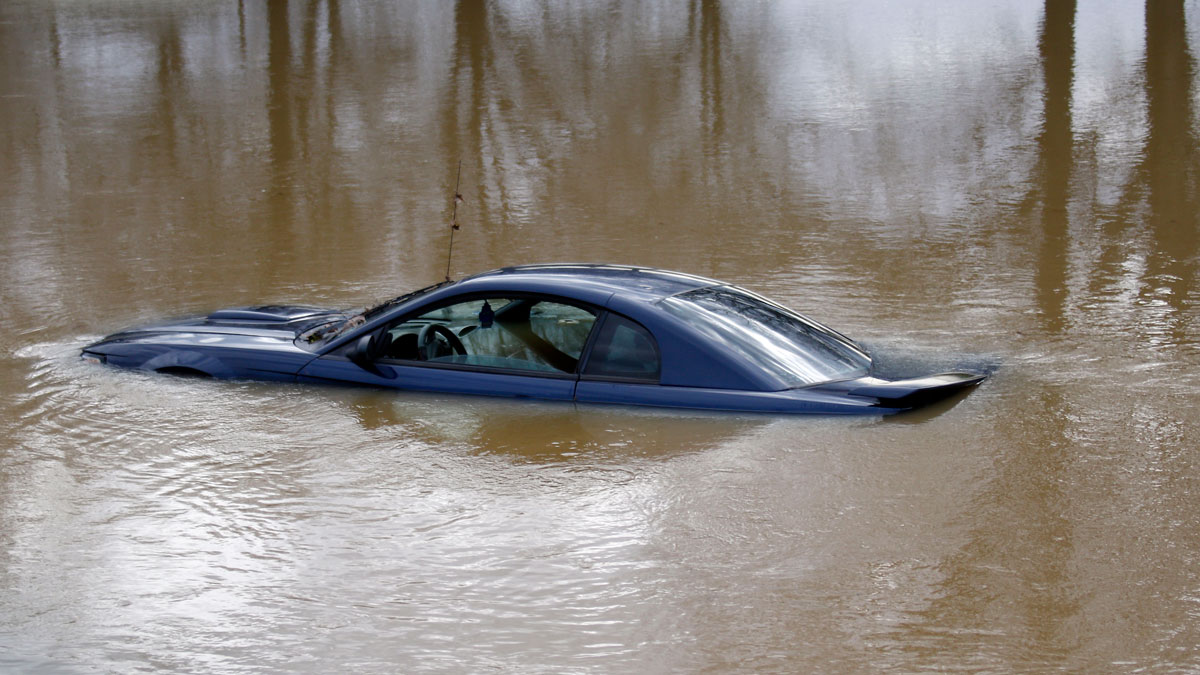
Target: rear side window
{"x": 623, "y": 350}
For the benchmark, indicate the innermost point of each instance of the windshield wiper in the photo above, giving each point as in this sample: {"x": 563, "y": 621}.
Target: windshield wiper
{"x": 326, "y": 331}
{"x": 377, "y": 309}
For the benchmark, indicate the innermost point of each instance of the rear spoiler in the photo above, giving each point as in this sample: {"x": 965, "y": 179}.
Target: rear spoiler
{"x": 914, "y": 392}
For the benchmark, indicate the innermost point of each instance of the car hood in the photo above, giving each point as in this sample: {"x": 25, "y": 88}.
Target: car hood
{"x": 277, "y": 321}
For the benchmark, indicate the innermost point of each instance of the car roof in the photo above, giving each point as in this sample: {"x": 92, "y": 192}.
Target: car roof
{"x": 628, "y": 280}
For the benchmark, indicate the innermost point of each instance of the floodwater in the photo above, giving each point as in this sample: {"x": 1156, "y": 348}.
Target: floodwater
{"x": 1008, "y": 184}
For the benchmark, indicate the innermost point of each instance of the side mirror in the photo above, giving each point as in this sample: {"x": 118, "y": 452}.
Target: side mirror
{"x": 362, "y": 354}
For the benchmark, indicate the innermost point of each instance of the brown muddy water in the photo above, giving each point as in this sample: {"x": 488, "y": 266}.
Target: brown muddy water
{"x": 1007, "y": 184}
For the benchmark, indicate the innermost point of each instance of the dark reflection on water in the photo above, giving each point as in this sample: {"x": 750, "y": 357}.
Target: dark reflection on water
{"x": 1011, "y": 186}
{"x": 1055, "y": 158}
{"x": 547, "y": 432}
{"x": 1170, "y": 164}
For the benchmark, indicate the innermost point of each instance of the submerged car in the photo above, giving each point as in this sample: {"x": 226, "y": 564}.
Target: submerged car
{"x": 572, "y": 332}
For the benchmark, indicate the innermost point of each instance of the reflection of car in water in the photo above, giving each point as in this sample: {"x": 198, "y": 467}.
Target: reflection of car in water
{"x": 589, "y": 333}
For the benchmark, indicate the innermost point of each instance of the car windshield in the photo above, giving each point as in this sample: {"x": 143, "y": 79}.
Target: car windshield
{"x": 800, "y": 351}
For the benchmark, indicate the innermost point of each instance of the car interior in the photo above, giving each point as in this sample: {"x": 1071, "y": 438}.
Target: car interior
{"x": 519, "y": 333}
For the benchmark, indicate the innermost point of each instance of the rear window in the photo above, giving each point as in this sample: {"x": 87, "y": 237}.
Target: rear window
{"x": 800, "y": 351}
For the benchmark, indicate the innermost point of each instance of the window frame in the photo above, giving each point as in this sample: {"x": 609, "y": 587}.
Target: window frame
{"x": 602, "y": 316}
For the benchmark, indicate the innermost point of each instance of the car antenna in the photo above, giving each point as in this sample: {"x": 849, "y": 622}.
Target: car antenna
{"x": 454, "y": 219}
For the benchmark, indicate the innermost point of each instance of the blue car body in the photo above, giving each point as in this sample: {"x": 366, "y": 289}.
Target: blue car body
{"x": 571, "y": 332}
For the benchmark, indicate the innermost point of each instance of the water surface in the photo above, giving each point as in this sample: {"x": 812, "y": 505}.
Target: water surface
{"x": 1011, "y": 184}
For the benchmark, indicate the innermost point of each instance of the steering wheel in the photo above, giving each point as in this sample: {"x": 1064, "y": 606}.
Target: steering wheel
{"x": 427, "y": 338}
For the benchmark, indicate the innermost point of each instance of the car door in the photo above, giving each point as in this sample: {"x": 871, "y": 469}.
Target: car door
{"x": 497, "y": 345}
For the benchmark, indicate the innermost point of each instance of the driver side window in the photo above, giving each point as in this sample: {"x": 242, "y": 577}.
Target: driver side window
{"x": 495, "y": 332}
